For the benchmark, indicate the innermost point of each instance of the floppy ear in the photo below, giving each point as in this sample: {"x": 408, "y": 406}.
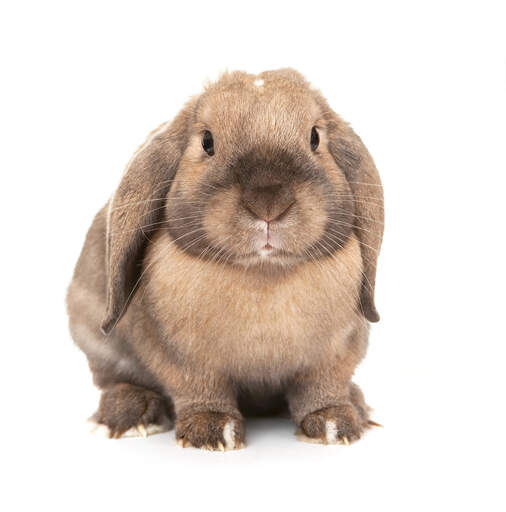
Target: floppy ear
{"x": 354, "y": 160}
{"x": 135, "y": 209}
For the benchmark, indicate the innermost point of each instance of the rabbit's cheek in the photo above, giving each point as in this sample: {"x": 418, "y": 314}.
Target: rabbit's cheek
{"x": 220, "y": 219}
{"x": 310, "y": 216}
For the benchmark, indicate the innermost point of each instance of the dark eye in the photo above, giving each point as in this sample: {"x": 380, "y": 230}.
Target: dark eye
{"x": 208, "y": 143}
{"x": 315, "y": 139}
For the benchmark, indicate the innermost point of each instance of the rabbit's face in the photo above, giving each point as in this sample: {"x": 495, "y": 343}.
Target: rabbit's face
{"x": 256, "y": 183}
{"x": 254, "y": 171}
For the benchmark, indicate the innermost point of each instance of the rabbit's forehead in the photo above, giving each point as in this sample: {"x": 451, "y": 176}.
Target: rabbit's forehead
{"x": 258, "y": 109}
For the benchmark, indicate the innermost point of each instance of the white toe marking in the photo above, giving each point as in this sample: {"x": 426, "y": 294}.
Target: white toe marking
{"x": 103, "y": 430}
{"x": 91, "y": 426}
{"x": 150, "y": 429}
{"x": 229, "y": 435}
{"x": 131, "y": 432}
{"x": 331, "y": 432}
{"x": 258, "y": 82}
{"x": 98, "y": 429}
{"x": 157, "y": 429}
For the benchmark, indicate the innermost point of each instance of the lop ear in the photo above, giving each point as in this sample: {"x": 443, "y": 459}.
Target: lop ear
{"x": 135, "y": 209}
{"x": 351, "y": 155}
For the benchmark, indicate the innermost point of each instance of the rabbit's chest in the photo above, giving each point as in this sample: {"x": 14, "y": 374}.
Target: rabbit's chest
{"x": 250, "y": 324}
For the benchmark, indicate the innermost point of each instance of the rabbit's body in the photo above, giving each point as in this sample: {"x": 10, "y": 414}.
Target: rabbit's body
{"x": 211, "y": 327}
{"x": 252, "y": 324}
{"x": 259, "y": 330}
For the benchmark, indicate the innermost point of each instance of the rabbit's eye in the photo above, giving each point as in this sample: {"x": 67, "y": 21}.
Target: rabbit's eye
{"x": 208, "y": 143}
{"x": 315, "y": 139}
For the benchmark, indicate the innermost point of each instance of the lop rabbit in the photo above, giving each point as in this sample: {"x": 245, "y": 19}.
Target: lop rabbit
{"x": 233, "y": 269}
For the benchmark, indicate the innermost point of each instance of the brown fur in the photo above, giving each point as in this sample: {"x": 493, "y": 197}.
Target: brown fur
{"x": 205, "y": 429}
{"x": 194, "y": 311}
{"x": 124, "y": 406}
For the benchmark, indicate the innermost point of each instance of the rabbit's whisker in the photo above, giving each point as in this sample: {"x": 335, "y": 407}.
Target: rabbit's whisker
{"x": 363, "y": 258}
{"x": 335, "y": 221}
{"x": 134, "y": 288}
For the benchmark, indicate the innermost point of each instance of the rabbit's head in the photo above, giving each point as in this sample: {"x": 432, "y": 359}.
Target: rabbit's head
{"x": 256, "y": 171}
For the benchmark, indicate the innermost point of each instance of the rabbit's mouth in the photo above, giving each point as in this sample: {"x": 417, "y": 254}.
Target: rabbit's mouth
{"x": 271, "y": 257}
{"x": 267, "y": 242}
{"x": 267, "y": 252}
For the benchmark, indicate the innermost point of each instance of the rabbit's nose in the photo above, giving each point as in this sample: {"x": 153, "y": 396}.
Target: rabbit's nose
{"x": 269, "y": 202}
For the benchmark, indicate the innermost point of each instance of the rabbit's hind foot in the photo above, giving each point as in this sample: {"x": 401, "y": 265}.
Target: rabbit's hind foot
{"x": 126, "y": 410}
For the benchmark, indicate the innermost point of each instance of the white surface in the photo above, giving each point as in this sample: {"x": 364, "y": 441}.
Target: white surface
{"x": 82, "y": 86}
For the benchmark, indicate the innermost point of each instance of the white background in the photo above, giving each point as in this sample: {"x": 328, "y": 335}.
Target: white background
{"x": 423, "y": 83}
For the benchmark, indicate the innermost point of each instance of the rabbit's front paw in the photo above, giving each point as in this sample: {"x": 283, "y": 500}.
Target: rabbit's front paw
{"x": 332, "y": 425}
{"x": 210, "y": 431}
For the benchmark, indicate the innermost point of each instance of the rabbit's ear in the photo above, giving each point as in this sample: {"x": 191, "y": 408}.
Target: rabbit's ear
{"x": 354, "y": 160}
{"x": 135, "y": 209}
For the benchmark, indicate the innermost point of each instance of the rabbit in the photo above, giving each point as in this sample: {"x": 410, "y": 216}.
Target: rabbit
{"x": 233, "y": 270}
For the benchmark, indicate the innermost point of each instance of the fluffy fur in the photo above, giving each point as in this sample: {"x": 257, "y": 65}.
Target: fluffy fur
{"x": 239, "y": 279}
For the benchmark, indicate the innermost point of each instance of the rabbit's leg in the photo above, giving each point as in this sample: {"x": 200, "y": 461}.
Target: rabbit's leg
{"x": 132, "y": 402}
{"x": 207, "y": 415}
{"x": 126, "y": 410}
{"x": 358, "y": 401}
{"x": 327, "y": 408}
